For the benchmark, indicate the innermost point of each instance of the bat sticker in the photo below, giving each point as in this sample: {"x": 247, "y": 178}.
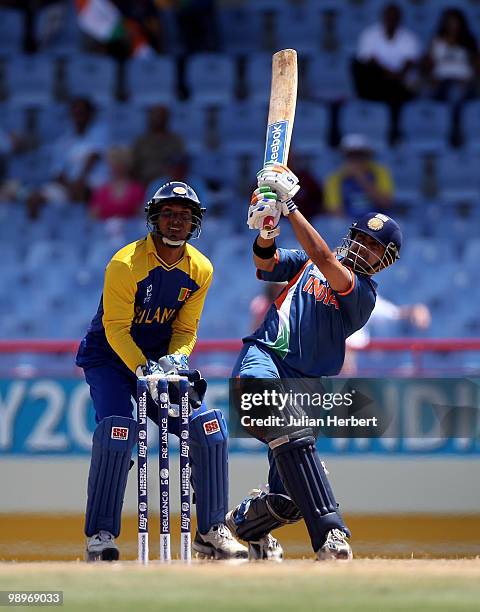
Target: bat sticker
{"x": 275, "y": 150}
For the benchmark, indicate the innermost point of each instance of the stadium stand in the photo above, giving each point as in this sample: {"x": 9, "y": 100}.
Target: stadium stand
{"x": 57, "y": 266}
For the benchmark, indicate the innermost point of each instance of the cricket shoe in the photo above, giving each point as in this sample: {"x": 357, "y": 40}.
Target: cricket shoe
{"x": 102, "y": 547}
{"x": 267, "y": 548}
{"x": 218, "y": 543}
{"x": 335, "y": 547}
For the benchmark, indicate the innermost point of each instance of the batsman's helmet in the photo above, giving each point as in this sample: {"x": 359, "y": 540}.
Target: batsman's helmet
{"x": 175, "y": 192}
{"x": 381, "y": 228}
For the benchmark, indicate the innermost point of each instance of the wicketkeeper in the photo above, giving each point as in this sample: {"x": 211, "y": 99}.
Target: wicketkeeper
{"x": 328, "y": 297}
{"x": 146, "y": 323}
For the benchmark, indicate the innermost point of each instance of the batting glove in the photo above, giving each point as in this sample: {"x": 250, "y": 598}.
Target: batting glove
{"x": 279, "y": 179}
{"x": 264, "y": 209}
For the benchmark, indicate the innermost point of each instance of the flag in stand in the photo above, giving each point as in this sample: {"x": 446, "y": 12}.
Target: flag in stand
{"x": 104, "y": 22}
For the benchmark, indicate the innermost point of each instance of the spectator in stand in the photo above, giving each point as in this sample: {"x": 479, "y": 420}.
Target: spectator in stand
{"x": 310, "y": 197}
{"x": 415, "y": 315}
{"x": 121, "y": 196}
{"x": 154, "y": 151}
{"x": 78, "y": 164}
{"x": 452, "y": 65}
{"x": 361, "y": 184}
{"x": 383, "y": 69}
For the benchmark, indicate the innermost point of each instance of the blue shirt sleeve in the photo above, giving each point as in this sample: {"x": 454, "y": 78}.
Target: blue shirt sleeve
{"x": 289, "y": 263}
{"x": 357, "y": 303}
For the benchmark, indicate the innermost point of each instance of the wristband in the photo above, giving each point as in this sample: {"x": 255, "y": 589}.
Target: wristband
{"x": 291, "y": 206}
{"x": 264, "y": 252}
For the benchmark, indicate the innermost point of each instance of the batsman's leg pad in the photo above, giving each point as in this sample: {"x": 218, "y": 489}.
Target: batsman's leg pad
{"x": 209, "y": 461}
{"x": 306, "y": 482}
{"x": 257, "y": 515}
{"x": 113, "y": 441}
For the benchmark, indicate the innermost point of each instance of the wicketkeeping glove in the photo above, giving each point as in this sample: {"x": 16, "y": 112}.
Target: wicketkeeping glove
{"x": 170, "y": 364}
{"x": 279, "y": 179}
{"x": 264, "y": 205}
{"x": 149, "y": 369}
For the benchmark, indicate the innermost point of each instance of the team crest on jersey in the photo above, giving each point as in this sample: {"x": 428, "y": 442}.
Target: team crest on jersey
{"x": 148, "y": 296}
{"x": 184, "y": 293}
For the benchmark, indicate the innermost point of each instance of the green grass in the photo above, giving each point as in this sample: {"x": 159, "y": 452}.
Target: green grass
{"x": 379, "y": 585}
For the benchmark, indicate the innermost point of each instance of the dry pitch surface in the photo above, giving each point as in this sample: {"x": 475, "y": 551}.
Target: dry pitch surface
{"x": 364, "y": 584}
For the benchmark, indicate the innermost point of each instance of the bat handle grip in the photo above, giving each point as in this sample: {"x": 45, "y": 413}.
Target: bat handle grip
{"x": 268, "y": 223}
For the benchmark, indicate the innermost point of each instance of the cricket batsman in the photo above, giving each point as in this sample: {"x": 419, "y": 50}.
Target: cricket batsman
{"x": 146, "y": 323}
{"x": 328, "y": 297}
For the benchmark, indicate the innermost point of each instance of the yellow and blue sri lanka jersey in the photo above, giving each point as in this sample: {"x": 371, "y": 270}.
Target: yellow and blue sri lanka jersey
{"x": 148, "y": 308}
{"x": 307, "y": 325}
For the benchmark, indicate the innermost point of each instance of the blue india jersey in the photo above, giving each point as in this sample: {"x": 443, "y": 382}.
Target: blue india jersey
{"x": 307, "y": 325}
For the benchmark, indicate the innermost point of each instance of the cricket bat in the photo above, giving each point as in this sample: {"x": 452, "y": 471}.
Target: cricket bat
{"x": 281, "y": 111}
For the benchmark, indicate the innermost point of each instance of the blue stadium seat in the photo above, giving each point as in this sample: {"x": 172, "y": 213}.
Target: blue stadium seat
{"x": 328, "y": 77}
{"x": 12, "y": 118}
{"x": 190, "y": 121}
{"x": 30, "y": 168}
{"x": 92, "y": 76}
{"x": 471, "y": 256}
{"x": 210, "y": 78}
{"x": 310, "y": 128}
{"x": 428, "y": 252}
{"x": 40, "y": 256}
{"x": 353, "y": 18}
{"x": 264, "y": 5}
{"x": 241, "y": 127}
{"x": 298, "y": 27}
{"x": 422, "y": 17}
{"x": 323, "y": 163}
{"x": 125, "y": 121}
{"x": 369, "y": 118}
{"x": 52, "y": 122}
{"x": 207, "y": 163}
{"x": 333, "y": 229}
{"x": 30, "y": 80}
{"x": 407, "y": 168}
{"x": 257, "y": 77}
{"x": 151, "y": 81}
{"x": 457, "y": 174}
{"x": 11, "y": 30}
{"x": 425, "y": 125}
{"x": 471, "y": 125}
{"x": 241, "y": 30}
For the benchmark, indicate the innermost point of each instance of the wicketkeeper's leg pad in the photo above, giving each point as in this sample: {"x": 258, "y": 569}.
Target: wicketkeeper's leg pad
{"x": 258, "y": 514}
{"x": 113, "y": 441}
{"x": 209, "y": 461}
{"x": 306, "y": 482}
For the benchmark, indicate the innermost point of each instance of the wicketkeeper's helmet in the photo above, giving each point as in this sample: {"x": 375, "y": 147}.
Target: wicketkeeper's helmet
{"x": 175, "y": 192}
